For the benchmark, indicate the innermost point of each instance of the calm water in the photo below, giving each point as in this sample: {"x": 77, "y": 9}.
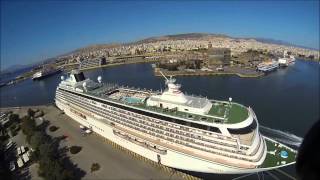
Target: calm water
{"x": 286, "y": 100}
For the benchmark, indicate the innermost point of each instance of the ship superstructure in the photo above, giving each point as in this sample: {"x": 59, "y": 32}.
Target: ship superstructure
{"x": 172, "y": 128}
{"x": 286, "y": 60}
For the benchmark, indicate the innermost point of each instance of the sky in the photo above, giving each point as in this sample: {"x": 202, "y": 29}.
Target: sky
{"x": 34, "y": 30}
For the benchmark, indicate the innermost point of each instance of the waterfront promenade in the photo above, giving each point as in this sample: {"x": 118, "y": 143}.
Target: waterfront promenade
{"x": 241, "y": 72}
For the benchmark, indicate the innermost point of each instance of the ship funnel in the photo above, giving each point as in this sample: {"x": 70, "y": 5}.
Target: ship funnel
{"x": 77, "y": 76}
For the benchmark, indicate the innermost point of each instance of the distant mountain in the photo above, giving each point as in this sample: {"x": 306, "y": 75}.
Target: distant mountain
{"x": 94, "y": 47}
{"x": 280, "y": 42}
{"x": 23, "y": 67}
{"x": 176, "y": 37}
{"x": 14, "y": 68}
{"x": 179, "y": 37}
{"x": 208, "y": 35}
{"x": 273, "y": 41}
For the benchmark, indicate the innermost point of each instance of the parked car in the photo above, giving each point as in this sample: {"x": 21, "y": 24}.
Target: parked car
{"x": 22, "y": 149}
{"x": 18, "y": 151}
{"x": 25, "y": 158}
{"x": 20, "y": 162}
{"x": 9, "y": 145}
{"x": 12, "y": 166}
{"x": 88, "y": 131}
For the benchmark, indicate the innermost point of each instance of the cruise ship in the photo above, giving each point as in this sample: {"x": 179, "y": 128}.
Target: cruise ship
{"x": 45, "y": 72}
{"x": 172, "y": 128}
{"x": 268, "y": 66}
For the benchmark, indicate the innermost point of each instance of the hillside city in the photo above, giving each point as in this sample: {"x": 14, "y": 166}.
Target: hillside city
{"x": 178, "y": 46}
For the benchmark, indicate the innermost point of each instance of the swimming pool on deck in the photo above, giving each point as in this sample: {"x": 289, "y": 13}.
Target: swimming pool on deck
{"x": 132, "y": 100}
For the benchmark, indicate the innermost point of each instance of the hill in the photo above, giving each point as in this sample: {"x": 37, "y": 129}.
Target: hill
{"x": 179, "y": 37}
{"x": 93, "y": 47}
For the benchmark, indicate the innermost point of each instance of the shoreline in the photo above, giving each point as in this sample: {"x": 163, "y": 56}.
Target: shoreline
{"x": 27, "y": 75}
{"x": 210, "y": 74}
{"x": 241, "y": 75}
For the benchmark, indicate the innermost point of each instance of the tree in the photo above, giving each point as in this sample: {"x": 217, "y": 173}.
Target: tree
{"x": 67, "y": 175}
{"x": 37, "y": 139}
{"x": 53, "y": 128}
{"x": 75, "y": 149}
{"x": 47, "y": 150}
{"x": 30, "y": 112}
{"x": 95, "y": 167}
{"x": 14, "y": 118}
{"x": 28, "y": 127}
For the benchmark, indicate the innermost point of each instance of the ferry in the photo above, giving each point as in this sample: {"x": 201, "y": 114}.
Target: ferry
{"x": 172, "y": 128}
{"x": 44, "y": 73}
{"x": 286, "y": 60}
{"x": 268, "y": 66}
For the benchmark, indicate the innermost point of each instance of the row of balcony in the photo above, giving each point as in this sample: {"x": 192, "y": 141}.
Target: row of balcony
{"x": 197, "y": 144}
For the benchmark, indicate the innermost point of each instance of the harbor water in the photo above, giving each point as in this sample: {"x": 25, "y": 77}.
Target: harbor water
{"x": 286, "y": 101}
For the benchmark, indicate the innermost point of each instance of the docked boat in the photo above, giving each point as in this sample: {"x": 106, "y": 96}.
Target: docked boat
{"x": 177, "y": 130}
{"x": 268, "y": 66}
{"x": 45, "y": 72}
{"x": 286, "y": 60}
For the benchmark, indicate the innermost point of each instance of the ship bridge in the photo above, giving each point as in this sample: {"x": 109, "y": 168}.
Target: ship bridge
{"x": 173, "y": 98}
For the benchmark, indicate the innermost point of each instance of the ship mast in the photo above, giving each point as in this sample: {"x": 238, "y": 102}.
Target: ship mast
{"x": 164, "y": 75}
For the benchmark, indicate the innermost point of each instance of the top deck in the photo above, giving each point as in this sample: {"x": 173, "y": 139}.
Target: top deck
{"x": 221, "y": 112}
{"x": 274, "y": 158}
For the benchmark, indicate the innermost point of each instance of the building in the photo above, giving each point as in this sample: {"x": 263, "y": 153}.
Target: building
{"x": 89, "y": 63}
{"x": 218, "y": 56}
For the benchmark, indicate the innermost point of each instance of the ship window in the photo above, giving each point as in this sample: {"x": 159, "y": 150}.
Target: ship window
{"x": 199, "y": 126}
{"x": 79, "y": 77}
{"x": 214, "y": 129}
{"x": 244, "y": 130}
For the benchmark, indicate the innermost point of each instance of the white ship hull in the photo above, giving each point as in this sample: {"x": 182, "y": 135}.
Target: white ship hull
{"x": 172, "y": 158}
{"x": 42, "y": 75}
{"x": 269, "y": 67}
{"x": 286, "y": 61}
